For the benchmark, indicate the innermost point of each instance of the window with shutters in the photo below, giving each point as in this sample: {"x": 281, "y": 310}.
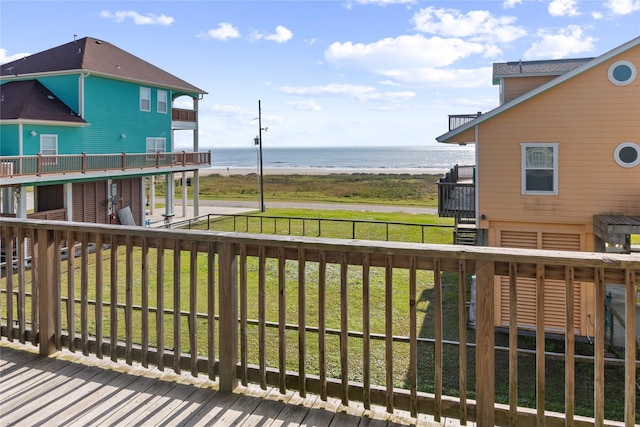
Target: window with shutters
{"x": 540, "y": 168}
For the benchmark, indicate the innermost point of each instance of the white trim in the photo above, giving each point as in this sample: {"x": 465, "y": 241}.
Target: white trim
{"x": 615, "y": 65}
{"x": 523, "y": 168}
{"x": 166, "y": 101}
{"x": 620, "y": 147}
{"x": 146, "y": 91}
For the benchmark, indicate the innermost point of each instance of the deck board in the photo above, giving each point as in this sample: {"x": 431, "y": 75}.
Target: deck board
{"x": 71, "y": 389}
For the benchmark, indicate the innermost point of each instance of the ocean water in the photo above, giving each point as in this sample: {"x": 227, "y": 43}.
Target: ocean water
{"x": 428, "y": 158}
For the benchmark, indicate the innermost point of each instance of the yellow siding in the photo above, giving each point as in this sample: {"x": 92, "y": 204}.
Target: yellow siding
{"x": 513, "y": 87}
{"x": 588, "y": 117}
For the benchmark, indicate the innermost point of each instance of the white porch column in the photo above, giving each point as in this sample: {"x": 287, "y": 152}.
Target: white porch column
{"x": 152, "y": 195}
{"x": 195, "y": 181}
{"x": 21, "y": 211}
{"x": 68, "y": 200}
{"x": 169, "y": 194}
{"x": 196, "y": 174}
{"x": 184, "y": 194}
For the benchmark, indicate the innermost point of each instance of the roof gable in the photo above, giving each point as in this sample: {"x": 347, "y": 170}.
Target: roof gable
{"x": 97, "y": 56}
{"x": 447, "y": 137}
{"x": 30, "y": 100}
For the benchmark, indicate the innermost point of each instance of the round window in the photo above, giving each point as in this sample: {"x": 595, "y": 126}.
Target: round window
{"x": 627, "y": 154}
{"x": 622, "y": 73}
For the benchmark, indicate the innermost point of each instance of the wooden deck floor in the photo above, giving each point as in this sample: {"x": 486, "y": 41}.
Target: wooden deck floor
{"x": 70, "y": 389}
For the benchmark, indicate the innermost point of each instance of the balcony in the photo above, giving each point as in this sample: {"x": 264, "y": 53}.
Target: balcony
{"x": 39, "y": 165}
{"x": 457, "y": 120}
{"x": 281, "y": 312}
{"x": 457, "y": 193}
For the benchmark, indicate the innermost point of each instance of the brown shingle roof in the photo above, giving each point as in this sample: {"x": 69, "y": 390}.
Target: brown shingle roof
{"x": 97, "y": 56}
{"x": 30, "y": 100}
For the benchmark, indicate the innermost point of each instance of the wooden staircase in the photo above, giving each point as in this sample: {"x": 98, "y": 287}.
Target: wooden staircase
{"x": 465, "y": 232}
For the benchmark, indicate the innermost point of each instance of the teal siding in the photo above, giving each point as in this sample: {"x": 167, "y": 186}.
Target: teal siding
{"x": 65, "y": 88}
{"x": 9, "y": 140}
{"x": 113, "y": 109}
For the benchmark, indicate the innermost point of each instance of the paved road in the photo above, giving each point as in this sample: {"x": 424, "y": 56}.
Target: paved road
{"x": 322, "y": 206}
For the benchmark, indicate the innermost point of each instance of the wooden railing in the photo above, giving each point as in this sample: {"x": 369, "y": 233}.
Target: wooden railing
{"x": 457, "y": 193}
{"x": 183, "y": 115}
{"x": 457, "y": 120}
{"x": 84, "y": 163}
{"x": 334, "y": 317}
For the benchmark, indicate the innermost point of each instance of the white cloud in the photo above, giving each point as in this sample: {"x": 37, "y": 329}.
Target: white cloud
{"x": 4, "y": 58}
{"x": 445, "y": 77}
{"x": 510, "y": 4}
{"x": 623, "y": 7}
{"x": 281, "y": 35}
{"x": 477, "y": 25}
{"x": 401, "y": 52}
{"x": 385, "y": 2}
{"x": 304, "y": 105}
{"x": 597, "y": 15}
{"x": 360, "y": 93}
{"x": 138, "y": 19}
{"x": 224, "y": 31}
{"x": 566, "y": 42}
{"x": 563, "y": 8}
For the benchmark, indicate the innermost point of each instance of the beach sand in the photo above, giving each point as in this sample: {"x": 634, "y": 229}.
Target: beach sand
{"x": 320, "y": 171}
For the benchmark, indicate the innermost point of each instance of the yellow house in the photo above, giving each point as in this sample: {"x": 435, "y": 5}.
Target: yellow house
{"x": 558, "y": 167}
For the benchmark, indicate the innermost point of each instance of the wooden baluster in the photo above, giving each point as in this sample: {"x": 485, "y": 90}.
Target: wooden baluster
{"x": 84, "y": 294}
{"x": 388, "y": 327}
{"x": 413, "y": 339}
{"x": 244, "y": 345}
{"x": 193, "y": 307}
{"x": 211, "y": 309}
{"x": 160, "y": 253}
{"x": 366, "y": 331}
{"x": 145, "y": 301}
{"x": 630, "y": 347}
{"x": 114, "y": 299}
{"x": 282, "y": 322}
{"x": 569, "y": 346}
{"x": 344, "y": 329}
{"x": 177, "y": 314}
{"x": 322, "y": 325}
{"x": 228, "y": 333}
{"x": 302, "y": 323}
{"x": 485, "y": 343}
{"x": 262, "y": 317}
{"x": 437, "y": 300}
{"x": 462, "y": 331}
{"x": 128, "y": 310}
{"x": 513, "y": 344}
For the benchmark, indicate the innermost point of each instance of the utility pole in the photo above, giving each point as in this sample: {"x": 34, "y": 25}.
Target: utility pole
{"x": 260, "y": 149}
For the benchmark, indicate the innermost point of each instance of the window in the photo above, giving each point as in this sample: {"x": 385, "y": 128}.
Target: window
{"x": 155, "y": 145}
{"x": 627, "y": 154}
{"x": 49, "y": 147}
{"x": 622, "y": 73}
{"x": 540, "y": 168}
{"x": 145, "y": 99}
{"x": 162, "y": 101}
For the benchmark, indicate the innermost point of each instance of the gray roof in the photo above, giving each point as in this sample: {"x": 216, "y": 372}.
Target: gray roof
{"x": 99, "y": 57}
{"x": 29, "y": 100}
{"x": 553, "y": 67}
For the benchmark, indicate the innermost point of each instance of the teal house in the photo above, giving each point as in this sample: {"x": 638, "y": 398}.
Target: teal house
{"x": 91, "y": 128}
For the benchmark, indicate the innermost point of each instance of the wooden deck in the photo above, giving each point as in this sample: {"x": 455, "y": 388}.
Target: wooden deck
{"x": 72, "y": 389}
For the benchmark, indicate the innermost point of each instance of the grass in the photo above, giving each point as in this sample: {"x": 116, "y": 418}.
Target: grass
{"x": 381, "y": 189}
{"x": 398, "y": 227}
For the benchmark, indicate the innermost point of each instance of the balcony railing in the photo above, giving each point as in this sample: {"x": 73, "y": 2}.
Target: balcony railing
{"x": 40, "y": 165}
{"x": 183, "y": 115}
{"x": 457, "y": 120}
{"x": 457, "y": 193}
{"x": 313, "y": 315}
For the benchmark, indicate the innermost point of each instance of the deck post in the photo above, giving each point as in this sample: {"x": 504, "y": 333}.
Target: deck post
{"x": 485, "y": 343}
{"x": 228, "y": 309}
{"x": 47, "y": 301}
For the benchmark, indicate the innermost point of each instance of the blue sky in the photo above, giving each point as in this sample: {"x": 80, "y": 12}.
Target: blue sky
{"x": 329, "y": 73}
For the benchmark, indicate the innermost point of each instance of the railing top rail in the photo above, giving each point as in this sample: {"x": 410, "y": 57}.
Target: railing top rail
{"x": 590, "y": 260}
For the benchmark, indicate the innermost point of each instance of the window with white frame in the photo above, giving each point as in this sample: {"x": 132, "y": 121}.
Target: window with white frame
{"x": 145, "y": 99}
{"x": 49, "y": 147}
{"x": 156, "y": 145}
{"x": 162, "y": 101}
{"x": 540, "y": 168}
